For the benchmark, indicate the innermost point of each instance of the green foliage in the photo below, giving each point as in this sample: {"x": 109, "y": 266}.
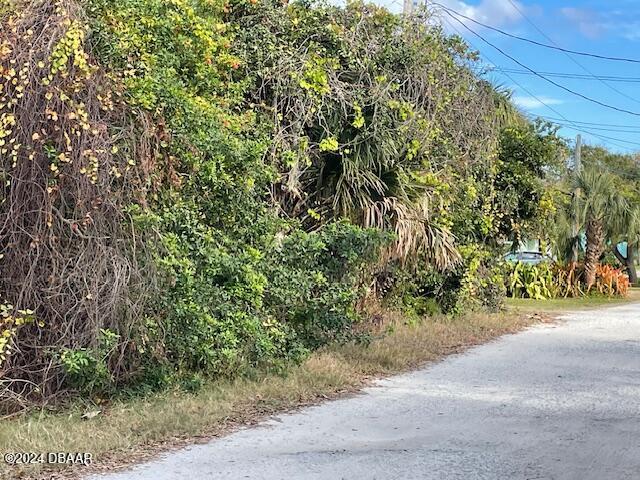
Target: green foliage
{"x": 207, "y": 224}
{"x": 480, "y": 279}
{"x": 237, "y": 291}
{"x": 477, "y": 283}
{"x": 261, "y": 186}
{"x": 210, "y": 315}
{"x": 87, "y": 369}
{"x": 363, "y": 125}
{"x": 315, "y": 279}
{"x": 240, "y": 287}
{"x": 532, "y": 281}
{"x": 546, "y": 281}
{"x": 232, "y": 308}
{"x": 527, "y": 154}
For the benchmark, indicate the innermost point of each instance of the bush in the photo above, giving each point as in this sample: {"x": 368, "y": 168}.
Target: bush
{"x": 532, "y": 281}
{"x": 88, "y": 369}
{"x": 612, "y": 281}
{"x": 545, "y": 281}
{"x": 228, "y": 309}
{"x": 315, "y": 279}
{"x": 477, "y": 282}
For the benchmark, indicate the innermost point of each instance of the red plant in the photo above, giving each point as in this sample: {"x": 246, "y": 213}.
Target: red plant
{"x": 569, "y": 280}
{"x": 611, "y": 281}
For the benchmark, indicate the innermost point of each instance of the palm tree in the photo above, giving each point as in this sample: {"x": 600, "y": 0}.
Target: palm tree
{"x": 597, "y": 206}
{"x": 506, "y": 113}
{"x": 375, "y": 187}
{"x": 627, "y": 229}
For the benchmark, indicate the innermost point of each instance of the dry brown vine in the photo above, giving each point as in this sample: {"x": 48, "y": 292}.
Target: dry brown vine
{"x": 68, "y": 168}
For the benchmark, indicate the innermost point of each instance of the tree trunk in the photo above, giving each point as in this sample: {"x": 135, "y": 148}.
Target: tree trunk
{"x": 595, "y": 247}
{"x": 631, "y": 264}
{"x": 629, "y": 261}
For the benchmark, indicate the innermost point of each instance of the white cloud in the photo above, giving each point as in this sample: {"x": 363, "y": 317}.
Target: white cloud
{"x": 595, "y": 24}
{"x": 631, "y": 31}
{"x": 493, "y": 12}
{"x": 588, "y": 21}
{"x": 532, "y": 103}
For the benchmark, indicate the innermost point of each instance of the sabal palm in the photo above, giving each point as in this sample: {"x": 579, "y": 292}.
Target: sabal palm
{"x": 597, "y": 206}
{"x": 375, "y": 188}
{"x": 626, "y": 228}
{"x": 506, "y": 111}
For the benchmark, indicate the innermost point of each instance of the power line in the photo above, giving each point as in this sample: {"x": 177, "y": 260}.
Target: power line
{"x": 590, "y": 132}
{"x": 540, "y": 44}
{"x": 604, "y": 129}
{"x": 605, "y": 139}
{"x": 576, "y": 76}
{"x": 515, "y": 60}
{"x": 610, "y": 87}
{"x": 602, "y": 124}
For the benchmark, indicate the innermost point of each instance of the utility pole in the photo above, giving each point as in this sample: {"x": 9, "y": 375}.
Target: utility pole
{"x": 578, "y": 154}
{"x": 410, "y": 6}
{"x": 577, "y": 166}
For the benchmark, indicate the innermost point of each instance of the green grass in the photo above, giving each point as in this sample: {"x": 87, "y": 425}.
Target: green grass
{"x": 129, "y": 431}
{"x": 559, "y": 305}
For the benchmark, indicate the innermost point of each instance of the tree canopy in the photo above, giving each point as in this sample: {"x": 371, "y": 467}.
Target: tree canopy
{"x": 196, "y": 188}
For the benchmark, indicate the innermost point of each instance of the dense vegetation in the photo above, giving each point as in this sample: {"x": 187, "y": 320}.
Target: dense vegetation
{"x": 593, "y": 234}
{"x": 196, "y": 188}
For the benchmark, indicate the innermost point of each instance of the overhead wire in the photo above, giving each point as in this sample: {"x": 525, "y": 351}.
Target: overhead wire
{"x": 540, "y": 44}
{"x": 604, "y": 129}
{"x": 552, "y": 82}
{"x": 602, "y": 124}
{"x": 577, "y": 76}
{"x": 570, "y": 57}
{"x": 568, "y": 123}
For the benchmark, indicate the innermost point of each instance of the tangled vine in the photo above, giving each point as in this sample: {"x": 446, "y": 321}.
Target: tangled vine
{"x": 67, "y": 256}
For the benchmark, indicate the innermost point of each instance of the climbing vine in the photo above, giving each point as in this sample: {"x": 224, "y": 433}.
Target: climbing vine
{"x": 199, "y": 188}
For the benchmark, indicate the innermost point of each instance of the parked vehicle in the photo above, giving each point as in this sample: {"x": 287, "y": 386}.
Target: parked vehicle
{"x": 530, "y": 258}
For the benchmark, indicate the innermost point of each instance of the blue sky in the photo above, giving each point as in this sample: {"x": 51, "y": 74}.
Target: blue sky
{"x": 603, "y": 27}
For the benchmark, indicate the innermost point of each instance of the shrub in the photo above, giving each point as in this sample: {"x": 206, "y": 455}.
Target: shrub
{"x": 569, "y": 280}
{"x": 366, "y": 128}
{"x": 87, "y": 369}
{"x": 480, "y": 279}
{"x": 476, "y": 283}
{"x": 316, "y": 279}
{"x": 544, "y": 281}
{"x": 227, "y": 309}
{"x": 611, "y": 281}
{"x": 532, "y": 281}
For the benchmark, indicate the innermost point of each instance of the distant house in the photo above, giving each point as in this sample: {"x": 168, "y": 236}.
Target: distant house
{"x": 528, "y": 251}
{"x": 411, "y": 6}
{"x": 525, "y": 246}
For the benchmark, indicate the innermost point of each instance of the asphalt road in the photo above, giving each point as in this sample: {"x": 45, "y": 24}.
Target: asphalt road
{"x": 554, "y": 402}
